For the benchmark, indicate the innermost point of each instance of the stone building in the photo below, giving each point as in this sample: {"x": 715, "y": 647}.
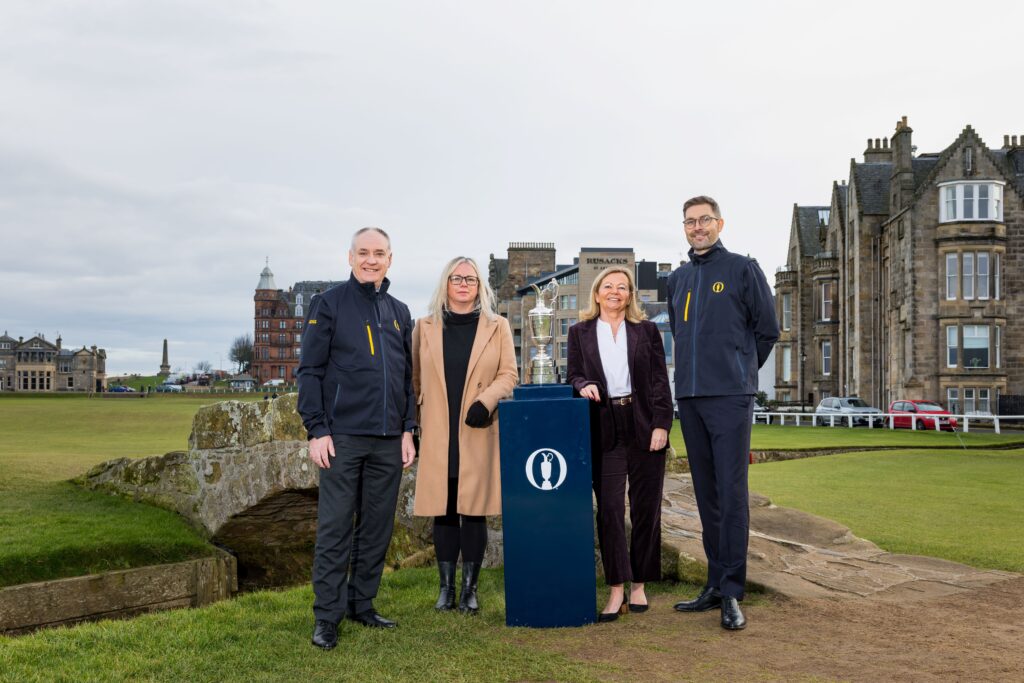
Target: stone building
{"x": 37, "y": 365}
{"x": 278, "y": 319}
{"x": 530, "y": 263}
{"x": 909, "y": 285}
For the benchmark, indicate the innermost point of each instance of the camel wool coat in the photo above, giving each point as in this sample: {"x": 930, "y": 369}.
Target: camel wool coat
{"x": 491, "y": 376}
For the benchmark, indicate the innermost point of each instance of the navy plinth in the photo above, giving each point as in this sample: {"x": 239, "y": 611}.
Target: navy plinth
{"x": 547, "y": 508}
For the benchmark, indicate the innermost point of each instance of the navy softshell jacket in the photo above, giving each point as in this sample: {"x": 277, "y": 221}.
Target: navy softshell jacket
{"x": 722, "y": 316}
{"x": 355, "y": 371}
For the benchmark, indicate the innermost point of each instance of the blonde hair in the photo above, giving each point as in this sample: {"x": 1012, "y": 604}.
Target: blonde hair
{"x": 439, "y": 301}
{"x": 634, "y": 313}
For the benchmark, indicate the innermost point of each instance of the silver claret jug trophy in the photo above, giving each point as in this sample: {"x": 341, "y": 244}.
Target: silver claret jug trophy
{"x": 542, "y": 321}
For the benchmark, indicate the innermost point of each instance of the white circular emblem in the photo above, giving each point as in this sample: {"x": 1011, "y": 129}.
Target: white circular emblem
{"x": 547, "y": 455}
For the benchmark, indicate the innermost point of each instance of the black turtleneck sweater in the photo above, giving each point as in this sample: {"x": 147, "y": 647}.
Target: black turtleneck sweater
{"x": 459, "y": 333}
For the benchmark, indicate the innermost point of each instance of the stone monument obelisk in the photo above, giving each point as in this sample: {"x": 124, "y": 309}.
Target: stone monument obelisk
{"x": 165, "y": 368}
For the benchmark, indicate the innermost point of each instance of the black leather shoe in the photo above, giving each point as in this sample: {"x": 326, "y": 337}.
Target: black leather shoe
{"x": 446, "y": 598}
{"x": 637, "y": 608}
{"x": 468, "y": 603}
{"x": 372, "y": 619}
{"x": 732, "y": 616}
{"x": 325, "y": 634}
{"x": 606, "y": 617}
{"x": 709, "y": 598}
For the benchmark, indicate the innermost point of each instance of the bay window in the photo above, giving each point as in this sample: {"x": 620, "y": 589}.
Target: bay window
{"x": 971, "y": 201}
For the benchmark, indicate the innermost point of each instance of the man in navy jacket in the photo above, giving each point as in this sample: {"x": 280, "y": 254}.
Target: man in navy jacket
{"x": 356, "y": 402}
{"x": 722, "y": 317}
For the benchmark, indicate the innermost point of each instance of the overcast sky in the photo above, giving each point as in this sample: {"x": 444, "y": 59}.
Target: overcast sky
{"x": 152, "y": 154}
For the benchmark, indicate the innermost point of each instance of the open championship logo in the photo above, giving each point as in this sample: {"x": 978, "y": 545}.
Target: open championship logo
{"x": 547, "y": 456}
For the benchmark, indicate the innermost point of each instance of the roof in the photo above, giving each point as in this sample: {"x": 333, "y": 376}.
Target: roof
{"x": 842, "y": 196}
{"x": 544, "y": 277}
{"x": 266, "y": 279}
{"x": 809, "y": 227}
{"x": 873, "y": 186}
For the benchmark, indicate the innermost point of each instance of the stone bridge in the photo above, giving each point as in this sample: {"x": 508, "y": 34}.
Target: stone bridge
{"x": 247, "y": 484}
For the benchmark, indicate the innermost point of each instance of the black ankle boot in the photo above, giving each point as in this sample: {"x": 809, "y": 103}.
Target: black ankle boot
{"x": 446, "y": 598}
{"x": 470, "y": 575}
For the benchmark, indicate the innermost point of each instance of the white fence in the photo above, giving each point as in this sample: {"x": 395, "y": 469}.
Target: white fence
{"x": 888, "y": 420}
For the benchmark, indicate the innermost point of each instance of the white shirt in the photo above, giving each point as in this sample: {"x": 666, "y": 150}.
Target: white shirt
{"x": 614, "y": 359}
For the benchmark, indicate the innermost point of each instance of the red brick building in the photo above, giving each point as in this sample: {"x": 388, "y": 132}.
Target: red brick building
{"x": 279, "y": 317}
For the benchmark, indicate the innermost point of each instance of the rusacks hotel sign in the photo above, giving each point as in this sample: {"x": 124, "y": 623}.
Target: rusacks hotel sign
{"x": 601, "y": 261}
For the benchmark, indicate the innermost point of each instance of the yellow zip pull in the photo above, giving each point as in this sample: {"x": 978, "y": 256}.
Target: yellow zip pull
{"x": 369, "y": 336}
{"x": 686, "y": 311}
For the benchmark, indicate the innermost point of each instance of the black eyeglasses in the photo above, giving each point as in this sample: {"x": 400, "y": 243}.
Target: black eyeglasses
{"x": 704, "y": 221}
{"x": 471, "y": 280}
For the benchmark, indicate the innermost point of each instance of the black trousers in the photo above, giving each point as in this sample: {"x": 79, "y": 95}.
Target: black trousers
{"x": 355, "y": 518}
{"x": 456, "y": 534}
{"x": 716, "y": 430}
{"x": 645, "y": 472}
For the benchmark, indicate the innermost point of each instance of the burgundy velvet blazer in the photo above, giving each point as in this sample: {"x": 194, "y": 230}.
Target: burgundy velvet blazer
{"x": 652, "y": 398}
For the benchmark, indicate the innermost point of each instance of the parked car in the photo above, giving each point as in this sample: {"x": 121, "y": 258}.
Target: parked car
{"x": 761, "y": 414}
{"x": 921, "y": 414}
{"x": 842, "y": 406}
{"x": 117, "y": 389}
{"x": 274, "y": 383}
{"x": 168, "y": 389}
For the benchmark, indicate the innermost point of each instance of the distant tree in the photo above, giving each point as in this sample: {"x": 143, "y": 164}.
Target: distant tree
{"x": 241, "y": 352}
{"x": 203, "y": 367}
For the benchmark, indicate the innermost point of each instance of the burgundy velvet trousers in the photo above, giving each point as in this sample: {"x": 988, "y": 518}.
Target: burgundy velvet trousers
{"x": 645, "y": 472}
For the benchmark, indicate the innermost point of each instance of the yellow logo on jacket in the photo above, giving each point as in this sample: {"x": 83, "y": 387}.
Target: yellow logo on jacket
{"x": 718, "y": 287}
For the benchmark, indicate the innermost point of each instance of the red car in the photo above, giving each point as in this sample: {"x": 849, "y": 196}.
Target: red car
{"x": 923, "y": 413}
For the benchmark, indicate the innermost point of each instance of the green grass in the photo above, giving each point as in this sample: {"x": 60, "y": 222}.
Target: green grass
{"x": 775, "y": 437}
{"x": 55, "y": 529}
{"x": 958, "y": 505}
{"x": 52, "y": 529}
{"x": 264, "y": 636}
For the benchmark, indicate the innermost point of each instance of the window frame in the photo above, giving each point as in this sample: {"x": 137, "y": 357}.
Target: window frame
{"x": 826, "y": 368}
{"x": 987, "y": 348}
{"x": 952, "y": 349}
{"x": 952, "y": 275}
{"x": 953, "y": 400}
{"x": 958, "y": 197}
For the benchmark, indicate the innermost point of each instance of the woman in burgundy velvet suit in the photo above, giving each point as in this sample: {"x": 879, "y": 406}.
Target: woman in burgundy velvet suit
{"x": 617, "y": 360}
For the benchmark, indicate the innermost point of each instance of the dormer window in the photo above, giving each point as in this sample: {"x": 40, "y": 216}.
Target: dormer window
{"x": 971, "y": 201}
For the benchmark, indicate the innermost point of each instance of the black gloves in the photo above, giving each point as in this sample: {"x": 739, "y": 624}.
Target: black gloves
{"x": 478, "y": 415}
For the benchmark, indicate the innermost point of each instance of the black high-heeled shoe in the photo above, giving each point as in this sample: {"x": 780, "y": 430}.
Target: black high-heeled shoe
{"x": 607, "y": 617}
{"x": 637, "y": 608}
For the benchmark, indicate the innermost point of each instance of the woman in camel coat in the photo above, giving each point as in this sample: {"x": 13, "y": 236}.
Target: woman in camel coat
{"x": 464, "y": 362}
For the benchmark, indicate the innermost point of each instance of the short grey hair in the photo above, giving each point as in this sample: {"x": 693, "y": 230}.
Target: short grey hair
{"x": 360, "y": 231}
{"x": 703, "y": 199}
{"x": 439, "y": 301}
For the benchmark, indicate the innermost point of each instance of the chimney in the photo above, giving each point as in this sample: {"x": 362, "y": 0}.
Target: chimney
{"x": 901, "y": 185}
{"x": 58, "y": 342}
{"x": 877, "y": 151}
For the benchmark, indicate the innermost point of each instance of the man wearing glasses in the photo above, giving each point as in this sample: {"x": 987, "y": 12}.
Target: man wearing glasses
{"x": 722, "y": 317}
{"x": 357, "y": 405}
